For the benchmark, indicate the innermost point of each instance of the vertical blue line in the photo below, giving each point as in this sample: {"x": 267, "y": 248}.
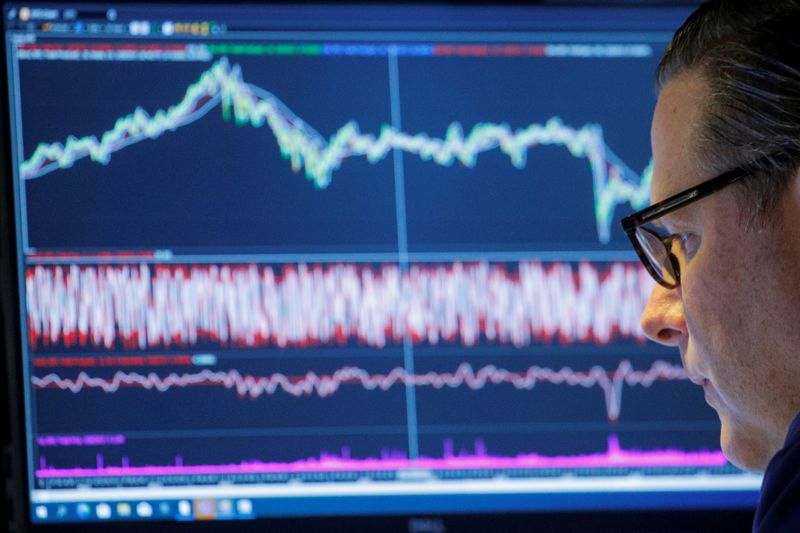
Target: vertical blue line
{"x": 399, "y": 177}
{"x": 402, "y": 248}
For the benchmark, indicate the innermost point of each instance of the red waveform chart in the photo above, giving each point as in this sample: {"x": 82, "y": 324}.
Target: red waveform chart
{"x": 326, "y": 385}
{"x": 145, "y": 306}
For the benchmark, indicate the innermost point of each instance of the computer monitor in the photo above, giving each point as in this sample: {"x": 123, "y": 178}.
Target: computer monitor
{"x": 275, "y": 260}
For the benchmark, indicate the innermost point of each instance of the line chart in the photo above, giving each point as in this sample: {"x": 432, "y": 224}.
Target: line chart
{"x": 326, "y": 385}
{"x": 223, "y": 85}
{"x": 615, "y": 457}
{"x": 141, "y": 306}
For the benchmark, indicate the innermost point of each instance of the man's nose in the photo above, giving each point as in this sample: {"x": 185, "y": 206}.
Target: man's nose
{"x": 663, "y": 320}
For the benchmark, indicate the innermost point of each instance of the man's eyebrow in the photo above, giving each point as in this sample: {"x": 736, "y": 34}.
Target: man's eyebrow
{"x": 673, "y": 223}
{"x": 658, "y": 223}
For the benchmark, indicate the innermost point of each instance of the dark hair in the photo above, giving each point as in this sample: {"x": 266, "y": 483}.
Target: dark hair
{"x": 748, "y": 51}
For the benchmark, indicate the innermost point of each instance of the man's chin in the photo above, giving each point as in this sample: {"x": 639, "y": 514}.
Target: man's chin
{"x": 743, "y": 448}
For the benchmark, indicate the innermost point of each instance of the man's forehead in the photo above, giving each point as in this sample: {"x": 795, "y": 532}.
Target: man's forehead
{"x": 674, "y": 133}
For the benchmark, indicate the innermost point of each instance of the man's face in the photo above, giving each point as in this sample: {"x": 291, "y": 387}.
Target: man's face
{"x": 736, "y": 315}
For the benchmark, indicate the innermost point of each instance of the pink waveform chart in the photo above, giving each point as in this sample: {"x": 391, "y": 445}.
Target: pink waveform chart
{"x": 326, "y": 385}
{"x": 480, "y": 459}
{"x": 139, "y": 307}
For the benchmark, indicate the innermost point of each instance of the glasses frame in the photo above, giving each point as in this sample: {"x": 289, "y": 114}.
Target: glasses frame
{"x": 632, "y": 223}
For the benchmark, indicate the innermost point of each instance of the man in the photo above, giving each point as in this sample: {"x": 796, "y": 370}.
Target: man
{"x": 723, "y": 235}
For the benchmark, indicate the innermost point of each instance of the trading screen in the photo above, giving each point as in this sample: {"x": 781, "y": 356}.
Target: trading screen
{"x": 294, "y": 261}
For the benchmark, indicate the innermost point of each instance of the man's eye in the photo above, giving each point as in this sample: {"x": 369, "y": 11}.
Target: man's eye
{"x": 687, "y": 243}
{"x": 682, "y": 245}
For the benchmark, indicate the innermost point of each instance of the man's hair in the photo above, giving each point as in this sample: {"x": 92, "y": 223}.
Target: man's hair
{"x": 748, "y": 51}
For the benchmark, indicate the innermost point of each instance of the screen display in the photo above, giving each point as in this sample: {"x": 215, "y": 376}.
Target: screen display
{"x": 281, "y": 260}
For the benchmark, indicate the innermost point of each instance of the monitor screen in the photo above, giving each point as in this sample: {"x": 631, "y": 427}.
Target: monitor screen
{"x": 277, "y": 260}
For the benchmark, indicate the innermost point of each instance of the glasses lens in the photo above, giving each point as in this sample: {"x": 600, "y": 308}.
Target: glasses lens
{"x": 657, "y": 253}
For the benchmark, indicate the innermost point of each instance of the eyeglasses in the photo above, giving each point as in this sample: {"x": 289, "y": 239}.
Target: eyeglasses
{"x": 653, "y": 246}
